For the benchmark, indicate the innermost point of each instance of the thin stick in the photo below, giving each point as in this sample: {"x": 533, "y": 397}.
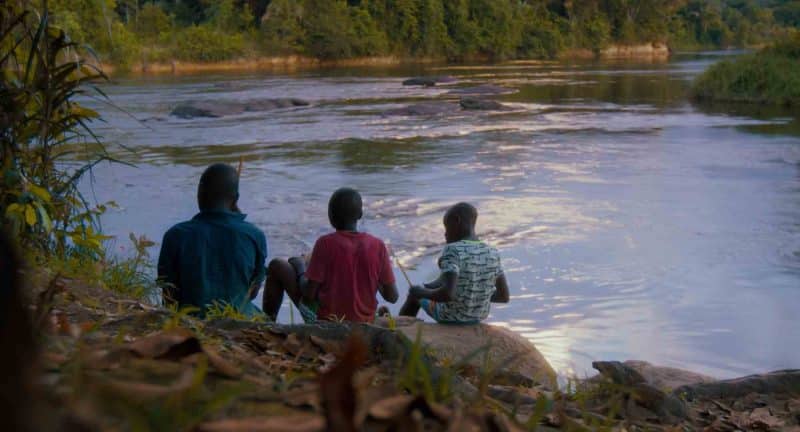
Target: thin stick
{"x": 400, "y": 266}
{"x": 241, "y": 165}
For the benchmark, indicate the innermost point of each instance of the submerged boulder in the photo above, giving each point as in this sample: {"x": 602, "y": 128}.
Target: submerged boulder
{"x": 515, "y": 359}
{"x": 480, "y": 104}
{"x": 428, "y": 81}
{"x": 423, "y": 109}
{"x": 188, "y": 110}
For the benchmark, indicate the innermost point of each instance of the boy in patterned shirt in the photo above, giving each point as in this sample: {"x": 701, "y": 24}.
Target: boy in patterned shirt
{"x": 471, "y": 275}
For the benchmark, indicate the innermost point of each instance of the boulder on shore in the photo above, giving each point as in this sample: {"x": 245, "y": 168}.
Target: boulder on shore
{"x": 784, "y": 382}
{"x": 515, "y": 359}
{"x": 667, "y": 378}
{"x": 428, "y": 81}
{"x": 188, "y": 110}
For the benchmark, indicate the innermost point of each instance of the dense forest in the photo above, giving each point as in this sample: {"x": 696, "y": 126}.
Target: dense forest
{"x": 128, "y": 31}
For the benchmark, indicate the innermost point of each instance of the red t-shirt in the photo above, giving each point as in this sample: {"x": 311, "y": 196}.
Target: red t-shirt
{"x": 349, "y": 267}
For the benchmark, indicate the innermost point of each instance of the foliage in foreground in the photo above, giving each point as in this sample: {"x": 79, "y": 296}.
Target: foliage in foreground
{"x": 769, "y": 76}
{"x": 142, "y": 31}
{"x": 43, "y": 131}
{"x": 48, "y": 148}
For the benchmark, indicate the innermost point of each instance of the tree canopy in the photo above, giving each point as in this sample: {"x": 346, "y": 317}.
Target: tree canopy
{"x": 152, "y": 30}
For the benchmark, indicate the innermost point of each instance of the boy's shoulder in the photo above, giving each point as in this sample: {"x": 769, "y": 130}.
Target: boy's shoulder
{"x": 470, "y": 247}
{"x": 339, "y": 236}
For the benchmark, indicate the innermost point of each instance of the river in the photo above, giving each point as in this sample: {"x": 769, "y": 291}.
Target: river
{"x": 632, "y": 224}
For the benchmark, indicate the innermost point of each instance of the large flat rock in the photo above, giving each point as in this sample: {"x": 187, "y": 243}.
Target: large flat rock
{"x": 508, "y": 352}
{"x": 667, "y": 378}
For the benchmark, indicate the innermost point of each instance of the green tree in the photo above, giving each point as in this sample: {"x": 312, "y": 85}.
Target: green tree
{"x": 152, "y": 22}
{"x": 282, "y": 27}
{"x": 328, "y": 30}
{"x": 368, "y": 39}
{"x": 462, "y": 30}
{"x": 434, "y": 39}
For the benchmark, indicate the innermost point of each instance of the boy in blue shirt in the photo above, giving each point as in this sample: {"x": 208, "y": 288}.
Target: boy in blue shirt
{"x": 471, "y": 275}
{"x": 216, "y": 256}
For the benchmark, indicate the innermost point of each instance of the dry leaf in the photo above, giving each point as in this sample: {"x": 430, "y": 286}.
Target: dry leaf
{"x": 139, "y": 391}
{"x": 391, "y": 407}
{"x": 326, "y": 346}
{"x": 221, "y": 365}
{"x": 763, "y": 418}
{"x": 167, "y": 345}
{"x": 295, "y": 423}
{"x": 338, "y": 395}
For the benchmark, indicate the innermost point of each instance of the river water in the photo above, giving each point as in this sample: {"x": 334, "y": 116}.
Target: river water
{"x": 632, "y": 224}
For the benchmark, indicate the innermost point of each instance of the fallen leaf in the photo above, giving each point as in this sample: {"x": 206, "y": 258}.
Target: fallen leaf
{"x": 326, "y": 346}
{"x": 166, "y": 345}
{"x": 306, "y": 395}
{"x": 389, "y": 408}
{"x": 295, "y": 423}
{"x": 763, "y": 418}
{"x": 337, "y": 394}
{"x": 221, "y": 365}
{"x": 140, "y": 391}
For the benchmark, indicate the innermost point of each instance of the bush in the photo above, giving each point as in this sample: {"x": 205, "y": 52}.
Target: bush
{"x": 768, "y": 77}
{"x": 125, "y": 47}
{"x": 203, "y": 43}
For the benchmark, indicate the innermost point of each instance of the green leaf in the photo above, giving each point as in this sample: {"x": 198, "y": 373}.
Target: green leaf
{"x": 14, "y": 208}
{"x": 30, "y": 215}
{"x": 44, "y": 217}
{"x": 40, "y": 192}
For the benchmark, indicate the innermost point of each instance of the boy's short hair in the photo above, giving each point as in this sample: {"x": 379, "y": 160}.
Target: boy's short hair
{"x": 344, "y": 207}
{"x": 217, "y": 183}
{"x": 466, "y": 212}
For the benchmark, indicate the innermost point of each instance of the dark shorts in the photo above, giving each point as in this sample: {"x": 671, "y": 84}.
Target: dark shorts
{"x": 432, "y": 309}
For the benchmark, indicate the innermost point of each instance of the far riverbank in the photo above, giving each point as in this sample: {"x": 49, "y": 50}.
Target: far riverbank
{"x": 649, "y": 52}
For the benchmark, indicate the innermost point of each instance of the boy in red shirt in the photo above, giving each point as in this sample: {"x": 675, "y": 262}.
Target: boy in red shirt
{"x": 346, "y": 270}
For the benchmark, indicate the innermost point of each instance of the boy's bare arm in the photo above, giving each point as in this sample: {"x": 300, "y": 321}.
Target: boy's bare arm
{"x": 501, "y": 294}
{"x": 389, "y": 292}
{"x": 441, "y": 290}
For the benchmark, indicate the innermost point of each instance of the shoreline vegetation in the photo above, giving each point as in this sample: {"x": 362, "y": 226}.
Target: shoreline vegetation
{"x": 656, "y": 52}
{"x": 770, "y": 76}
{"x": 168, "y": 35}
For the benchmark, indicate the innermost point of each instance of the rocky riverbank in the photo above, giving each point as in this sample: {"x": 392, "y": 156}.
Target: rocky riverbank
{"x": 110, "y": 362}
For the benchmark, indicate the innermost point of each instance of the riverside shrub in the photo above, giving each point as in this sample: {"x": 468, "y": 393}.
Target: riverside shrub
{"x": 768, "y": 77}
{"x": 205, "y": 44}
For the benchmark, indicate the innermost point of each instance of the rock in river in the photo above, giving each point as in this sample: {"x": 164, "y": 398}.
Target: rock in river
{"x": 428, "y": 81}
{"x": 188, "y": 110}
{"x": 423, "y": 109}
{"x": 480, "y": 104}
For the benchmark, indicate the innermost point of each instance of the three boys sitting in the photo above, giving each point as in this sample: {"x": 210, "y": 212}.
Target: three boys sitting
{"x": 346, "y": 270}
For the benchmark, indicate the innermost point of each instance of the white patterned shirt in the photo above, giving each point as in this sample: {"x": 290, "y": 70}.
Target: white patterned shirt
{"x": 478, "y": 267}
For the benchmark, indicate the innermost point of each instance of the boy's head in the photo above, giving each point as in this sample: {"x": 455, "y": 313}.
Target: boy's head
{"x": 344, "y": 209}
{"x": 218, "y": 188}
{"x": 459, "y": 222}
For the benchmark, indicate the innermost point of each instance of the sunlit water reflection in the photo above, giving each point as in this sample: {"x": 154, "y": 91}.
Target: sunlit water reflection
{"x": 632, "y": 224}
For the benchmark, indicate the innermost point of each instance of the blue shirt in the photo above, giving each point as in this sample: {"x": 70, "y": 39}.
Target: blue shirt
{"x": 216, "y": 256}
